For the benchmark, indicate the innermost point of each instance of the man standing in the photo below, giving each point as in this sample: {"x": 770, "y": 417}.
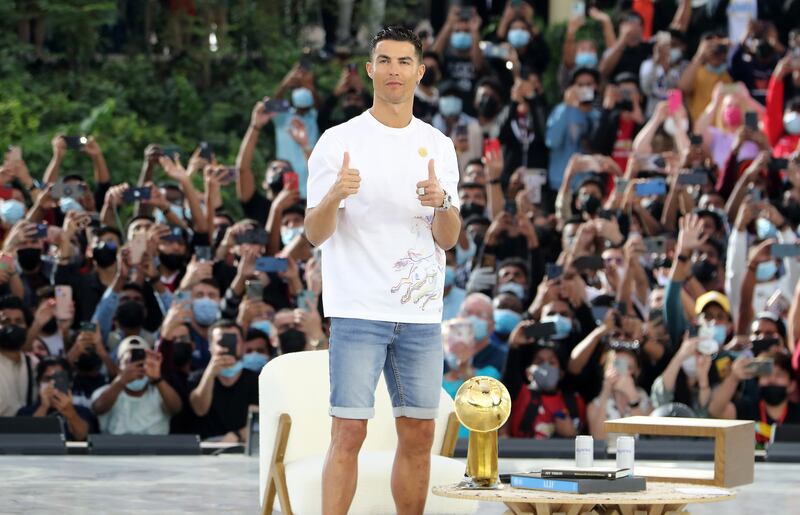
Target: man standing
{"x": 384, "y": 221}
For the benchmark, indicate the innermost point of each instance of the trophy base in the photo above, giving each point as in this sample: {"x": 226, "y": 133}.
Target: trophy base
{"x": 470, "y": 484}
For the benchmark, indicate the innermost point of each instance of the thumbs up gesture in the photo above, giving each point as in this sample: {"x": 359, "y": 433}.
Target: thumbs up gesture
{"x": 430, "y": 192}
{"x": 347, "y": 182}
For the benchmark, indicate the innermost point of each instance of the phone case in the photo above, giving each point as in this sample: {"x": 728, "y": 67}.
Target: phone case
{"x": 138, "y": 246}
{"x": 63, "y": 302}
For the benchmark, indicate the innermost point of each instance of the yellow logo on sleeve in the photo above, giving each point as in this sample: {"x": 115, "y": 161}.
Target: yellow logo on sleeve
{"x": 423, "y": 152}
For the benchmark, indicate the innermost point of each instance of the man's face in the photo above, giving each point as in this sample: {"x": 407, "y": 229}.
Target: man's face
{"x": 138, "y": 226}
{"x": 131, "y": 296}
{"x": 586, "y": 80}
{"x": 779, "y": 377}
{"x": 258, "y": 345}
{"x": 509, "y": 274}
{"x": 292, "y": 220}
{"x": 480, "y": 309}
{"x": 395, "y": 71}
{"x": 274, "y": 168}
{"x": 173, "y": 195}
{"x": 216, "y": 339}
{"x": 585, "y": 46}
{"x": 473, "y": 195}
{"x": 557, "y": 307}
{"x": 763, "y": 329}
{"x": 707, "y": 252}
{"x": 475, "y": 173}
{"x": 49, "y": 374}
{"x": 201, "y": 290}
{"x": 175, "y": 247}
{"x": 284, "y": 321}
{"x": 14, "y": 317}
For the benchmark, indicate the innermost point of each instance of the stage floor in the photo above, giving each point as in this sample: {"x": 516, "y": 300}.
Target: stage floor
{"x": 229, "y": 483}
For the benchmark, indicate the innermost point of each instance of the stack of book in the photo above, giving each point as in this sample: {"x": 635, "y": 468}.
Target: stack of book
{"x": 583, "y": 480}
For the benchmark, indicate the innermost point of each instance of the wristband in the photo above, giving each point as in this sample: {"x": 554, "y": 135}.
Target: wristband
{"x": 156, "y": 381}
{"x": 495, "y": 181}
{"x": 682, "y": 258}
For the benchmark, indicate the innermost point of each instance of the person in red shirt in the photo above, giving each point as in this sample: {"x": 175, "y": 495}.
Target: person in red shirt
{"x": 620, "y": 120}
{"x": 782, "y": 118}
{"x": 541, "y": 409}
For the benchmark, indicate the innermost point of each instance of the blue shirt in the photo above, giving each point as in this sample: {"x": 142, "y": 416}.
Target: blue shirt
{"x": 288, "y": 149}
{"x": 493, "y": 355}
{"x": 451, "y": 304}
{"x": 567, "y": 127}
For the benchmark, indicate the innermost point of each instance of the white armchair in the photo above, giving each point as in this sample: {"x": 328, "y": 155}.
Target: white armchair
{"x": 294, "y": 434}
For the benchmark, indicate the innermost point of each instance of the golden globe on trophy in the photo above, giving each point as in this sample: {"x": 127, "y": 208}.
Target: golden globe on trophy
{"x": 482, "y": 405}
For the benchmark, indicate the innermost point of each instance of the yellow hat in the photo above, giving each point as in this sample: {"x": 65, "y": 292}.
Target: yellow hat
{"x": 712, "y": 297}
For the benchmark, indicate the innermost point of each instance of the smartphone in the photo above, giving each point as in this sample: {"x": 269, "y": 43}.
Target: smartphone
{"x": 136, "y": 194}
{"x": 755, "y": 194}
{"x": 203, "y": 252}
{"x": 272, "y": 264}
{"x": 778, "y": 303}
{"x": 6, "y": 262}
{"x": 492, "y": 51}
{"x": 137, "y": 355}
{"x": 6, "y": 193}
{"x": 62, "y": 190}
{"x": 784, "y": 250}
{"x": 256, "y": 236}
{"x": 763, "y": 345}
{"x": 553, "y": 271}
{"x": 692, "y": 179}
{"x": 599, "y": 313}
{"x": 75, "y": 142}
{"x": 291, "y": 181}
{"x": 61, "y": 381}
{"x": 228, "y": 342}
{"x": 465, "y": 13}
{"x": 674, "y": 97}
{"x": 255, "y": 289}
{"x": 776, "y": 164}
{"x": 182, "y": 297}
{"x": 510, "y": 207}
{"x": 534, "y": 179}
{"x": 63, "y": 302}
{"x": 751, "y": 120}
{"x": 761, "y": 366}
{"x": 276, "y": 105}
{"x": 651, "y": 187}
{"x": 41, "y": 231}
{"x": 138, "y": 247}
{"x": 540, "y": 330}
{"x": 655, "y": 244}
{"x": 304, "y": 300}
{"x": 579, "y": 8}
{"x": 621, "y": 366}
{"x": 206, "y": 151}
{"x": 621, "y": 184}
{"x": 231, "y": 172}
{"x": 695, "y": 140}
{"x": 490, "y": 146}
{"x": 88, "y": 327}
{"x": 592, "y": 262}
{"x": 171, "y": 151}
{"x": 653, "y": 162}
{"x": 585, "y": 95}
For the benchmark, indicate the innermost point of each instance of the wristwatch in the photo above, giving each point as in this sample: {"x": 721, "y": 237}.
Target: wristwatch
{"x": 156, "y": 381}
{"x": 445, "y": 202}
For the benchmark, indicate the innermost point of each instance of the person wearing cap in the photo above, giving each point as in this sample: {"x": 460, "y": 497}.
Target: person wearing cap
{"x": 138, "y": 400}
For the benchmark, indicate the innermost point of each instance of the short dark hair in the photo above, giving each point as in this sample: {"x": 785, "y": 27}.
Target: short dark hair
{"x": 517, "y": 262}
{"x": 52, "y": 361}
{"x": 10, "y": 301}
{"x": 397, "y": 33}
{"x": 226, "y": 323}
{"x": 107, "y": 229}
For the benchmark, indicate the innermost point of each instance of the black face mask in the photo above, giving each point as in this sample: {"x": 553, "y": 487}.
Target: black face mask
{"x": 12, "y": 337}
{"x": 219, "y": 234}
{"x": 276, "y": 184}
{"x": 50, "y": 327}
{"x": 172, "y": 261}
{"x": 792, "y": 211}
{"x": 130, "y": 315}
{"x": 89, "y": 361}
{"x": 29, "y": 259}
{"x": 764, "y": 51}
{"x": 104, "y": 255}
{"x": 351, "y": 111}
{"x": 428, "y": 78}
{"x": 292, "y": 340}
{"x": 181, "y": 353}
{"x": 470, "y": 208}
{"x": 704, "y": 271}
{"x": 590, "y": 204}
{"x": 773, "y": 394}
{"x": 488, "y": 106}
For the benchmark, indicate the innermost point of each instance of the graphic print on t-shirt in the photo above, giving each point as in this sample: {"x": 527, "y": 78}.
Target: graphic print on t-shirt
{"x": 421, "y": 270}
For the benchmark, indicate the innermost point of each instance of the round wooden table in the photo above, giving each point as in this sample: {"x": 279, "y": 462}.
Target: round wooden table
{"x": 658, "y": 499}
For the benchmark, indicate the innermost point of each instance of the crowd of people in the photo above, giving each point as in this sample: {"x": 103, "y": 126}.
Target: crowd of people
{"x": 631, "y": 250}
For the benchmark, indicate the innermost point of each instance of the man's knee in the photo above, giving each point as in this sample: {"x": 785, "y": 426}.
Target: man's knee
{"x": 415, "y": 436}
{"x": 347, "y": 435}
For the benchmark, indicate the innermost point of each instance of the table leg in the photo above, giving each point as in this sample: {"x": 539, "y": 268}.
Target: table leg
{"x": 656, "y": 509}
{"x": 542, "y": 509}
{"x": 574, "y": 509}
{"x": 675, "y": 509}
{"x": 520, "y": 508}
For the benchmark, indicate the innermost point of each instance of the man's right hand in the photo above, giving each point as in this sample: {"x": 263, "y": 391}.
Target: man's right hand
{"x": 347, "y": 182}
{"x": 59, "y": 145}
{"x": 131, "y": 372}
{"x": 739, "y": 369}
{"x": 219, "y": 361}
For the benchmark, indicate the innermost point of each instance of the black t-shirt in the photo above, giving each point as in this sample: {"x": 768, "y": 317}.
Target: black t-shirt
{"x": 228, "y": 411}
{"x": 748, "y": 408}
{"x": 632, "y": 58}
{"x": 257, "y": 208}
{"x": 462, "y": 73}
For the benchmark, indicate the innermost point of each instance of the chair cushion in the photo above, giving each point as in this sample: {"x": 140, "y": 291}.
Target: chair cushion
{"x": 373, "y": 493}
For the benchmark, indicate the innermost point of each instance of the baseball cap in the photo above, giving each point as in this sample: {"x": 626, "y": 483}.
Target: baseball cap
{"x": 130, "y": 343}
{"x": 712, "y": 297}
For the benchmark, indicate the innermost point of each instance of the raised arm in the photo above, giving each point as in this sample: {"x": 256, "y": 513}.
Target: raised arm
{"x": 245, "y": 181}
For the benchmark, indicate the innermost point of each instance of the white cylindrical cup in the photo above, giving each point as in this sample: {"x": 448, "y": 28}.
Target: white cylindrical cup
{"x": 584, "y": 451}
{"x": 625, "y": 452}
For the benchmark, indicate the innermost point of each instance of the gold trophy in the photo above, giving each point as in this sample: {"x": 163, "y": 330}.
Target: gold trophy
{"x": 482, "y": 405}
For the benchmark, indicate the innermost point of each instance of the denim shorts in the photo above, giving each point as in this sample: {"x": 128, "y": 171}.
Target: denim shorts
{"x": 410, "y": 356}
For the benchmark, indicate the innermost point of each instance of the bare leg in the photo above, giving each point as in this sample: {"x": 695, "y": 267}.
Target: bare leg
{"x": 340, "y": 471}
{"x": 412, "y": 464}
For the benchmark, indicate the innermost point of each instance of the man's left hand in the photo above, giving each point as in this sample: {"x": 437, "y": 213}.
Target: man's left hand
{"x": 434, "y": 194}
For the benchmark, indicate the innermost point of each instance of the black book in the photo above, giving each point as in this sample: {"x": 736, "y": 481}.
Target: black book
{"x": 585, "y": 473}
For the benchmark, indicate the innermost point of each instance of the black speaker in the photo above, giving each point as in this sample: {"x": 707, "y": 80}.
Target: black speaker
{"x": 31, "y": 425}
{"x": 130, "y": 445}
{"x": 32, "y": 435}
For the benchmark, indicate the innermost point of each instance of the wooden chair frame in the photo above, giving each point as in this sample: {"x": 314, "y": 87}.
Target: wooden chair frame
{"x": 276, "y": 478}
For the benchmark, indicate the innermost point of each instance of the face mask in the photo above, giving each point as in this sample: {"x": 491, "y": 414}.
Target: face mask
{"x": 732, "y": 116}
{"x": 451, "y": 360}
{"x": 172, "y": 262}
{"x": 290, "y": 233}
{"x": 137, "y": 385}
{"x": 450, "y": 106}
{"x": 292, "y": 340}
{"x": 791, "y": 122}
{"x": 68, "y": 204}
{"x": 181, "y": 353}
{"x": 586, "y": 60}
{"x": 254, "y": 361}
{"x": 12, "y": 337}
{"x": 465, "y": 255}
{"x": 449, "y": 276}
{"x": 675, "y": 55}
{"x": 766, "y": 271}
{"x": 518, "y": 37}
{"x": 689, "y": 366}
{"x": 29, "y": 259}
{"x": 716, "y": 70}
{"x": 262, "y": 325}
{"x": 505, "y": 321}
{"x": 12, "y": 211}
{"x": 720, "y": 333}
{"x": 488, "y": 106}
{"x": 205, "y": 311}
{"x": 514, "y": 288}
{"x": 302, "y": 98}
{"x": 774, "y": 395}
{"x": 704, "y": 271}
{"x": 765, "y": 229}
{"x": 130, "y": 315}
{"x": 563, "y": 325}
{"x": 461, "y": 40}
{"x": 105, "y": 254}
{"x": 232, "y": 371}
{"x": 480, "y": 327}
{"x": 589, "y": 204}
{"x": 429, "y": 77}
{"x": 471, "y": 208}
{"x": 545, "y": 378}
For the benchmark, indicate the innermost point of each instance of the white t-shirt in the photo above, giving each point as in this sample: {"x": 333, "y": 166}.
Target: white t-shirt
{"x": 145, "y": 415}
{"x": 382, "y": 263}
